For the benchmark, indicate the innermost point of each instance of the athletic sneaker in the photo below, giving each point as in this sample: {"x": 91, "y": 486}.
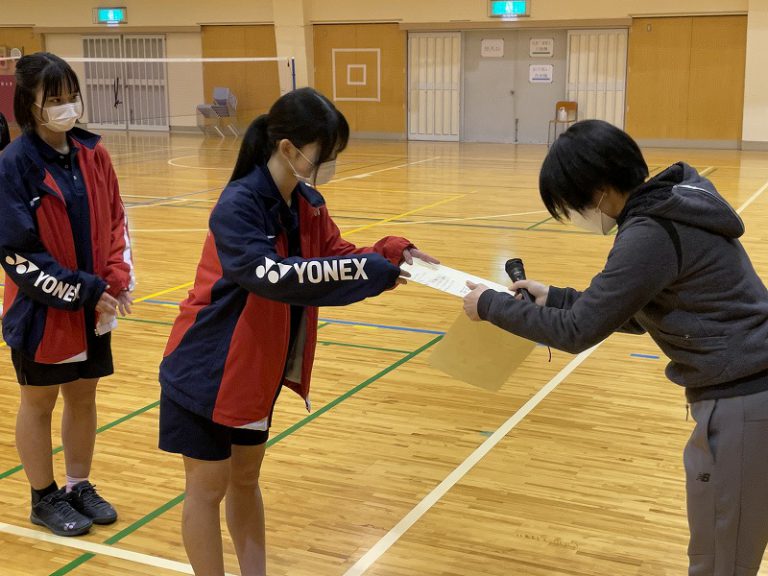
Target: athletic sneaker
{"x": 85, "y": 500}
{"x": 56, "y": 513}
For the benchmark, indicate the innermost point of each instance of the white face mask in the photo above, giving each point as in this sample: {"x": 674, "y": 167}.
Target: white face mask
{"x": 593, "y": 220}
{"x": 322, "y": 174}
{"x": 62, "y": 118}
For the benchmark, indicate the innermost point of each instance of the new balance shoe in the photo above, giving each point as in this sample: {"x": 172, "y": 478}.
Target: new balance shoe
{"x": 55, "y": 512}
{"x": 86, "y": 500}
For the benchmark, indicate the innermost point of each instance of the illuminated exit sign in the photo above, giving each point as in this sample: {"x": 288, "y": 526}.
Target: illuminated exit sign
{"x": 110, "y": 16}
{"x": 514, "y": 9}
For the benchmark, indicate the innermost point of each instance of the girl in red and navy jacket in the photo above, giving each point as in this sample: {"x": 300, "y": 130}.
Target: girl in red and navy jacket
{"x": 249, "y": 325}
{"x": 66, "y": 253}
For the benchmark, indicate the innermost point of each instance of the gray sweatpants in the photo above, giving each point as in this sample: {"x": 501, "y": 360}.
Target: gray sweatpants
{"x": 726, "y": 468}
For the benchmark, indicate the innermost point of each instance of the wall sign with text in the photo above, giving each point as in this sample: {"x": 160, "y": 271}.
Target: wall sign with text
{"x": 492, "y": 48}
{"x": 541, "y": 73}
{"x": 542, "y": 47}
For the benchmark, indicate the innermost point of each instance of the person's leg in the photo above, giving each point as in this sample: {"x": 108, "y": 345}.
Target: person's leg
{"x": 50, "y": 507}
{"x": 200, "y": 525}
{"x": 78, "y": 434}
{"x": 753, "y": 521}
{"x": 78, "y": 426}
{"x": 726, "y": 463}
{"x": 245, "y": 509}
{"x": 33, "y": 433}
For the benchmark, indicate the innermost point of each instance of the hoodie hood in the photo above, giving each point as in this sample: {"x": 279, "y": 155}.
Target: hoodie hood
{"x": 680, "y": 194}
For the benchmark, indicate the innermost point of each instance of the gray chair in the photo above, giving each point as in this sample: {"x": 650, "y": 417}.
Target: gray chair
{"x": 220, "y": 115}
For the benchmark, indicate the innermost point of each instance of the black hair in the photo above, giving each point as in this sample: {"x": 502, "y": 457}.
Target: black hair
{"x": 302, "y": 116}
{"x": 591, "y": 155}
{"x": 5, "y": 133}
{"x": 41, "y": 69}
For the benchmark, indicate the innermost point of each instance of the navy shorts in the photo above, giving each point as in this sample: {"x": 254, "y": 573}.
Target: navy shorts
{"x": 184, "y": 432}
{"x": 98, "y": 364}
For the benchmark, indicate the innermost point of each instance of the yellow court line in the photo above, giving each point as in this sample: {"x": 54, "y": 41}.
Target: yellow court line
{"x": 360, "y": 229}
{"x": 391, "y": 218}
{"x": 166, "y": 291}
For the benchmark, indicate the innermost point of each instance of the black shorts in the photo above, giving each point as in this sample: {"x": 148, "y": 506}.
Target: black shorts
{"x": 99, "y": 364}
{"x": 194, "y": 436}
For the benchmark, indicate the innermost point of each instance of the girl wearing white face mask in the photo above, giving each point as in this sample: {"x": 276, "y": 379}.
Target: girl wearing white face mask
{"x": 65, "y": 249}
{"x": 249, "y": 326}
{"x": 678, "y": 272}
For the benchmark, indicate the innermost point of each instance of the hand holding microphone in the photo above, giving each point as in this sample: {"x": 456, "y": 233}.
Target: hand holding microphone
{"x": 529, "y": 290}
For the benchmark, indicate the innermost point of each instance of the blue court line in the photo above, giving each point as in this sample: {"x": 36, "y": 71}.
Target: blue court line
{"x": 646, "y": 356}
{"x": 382, "y": 326}
{"x": 343, "y": 322}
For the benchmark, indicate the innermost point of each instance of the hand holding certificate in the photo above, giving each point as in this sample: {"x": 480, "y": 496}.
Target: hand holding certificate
{"x": 445, "y": 279}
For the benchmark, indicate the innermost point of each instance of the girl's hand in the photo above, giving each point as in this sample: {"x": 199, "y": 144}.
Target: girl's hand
{"x": 410, "y": 253}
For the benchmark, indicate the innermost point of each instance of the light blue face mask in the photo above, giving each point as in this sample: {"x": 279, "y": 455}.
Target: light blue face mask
{"x": 321, "y": 174}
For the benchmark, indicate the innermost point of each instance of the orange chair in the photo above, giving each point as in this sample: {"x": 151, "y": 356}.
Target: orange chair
{"x": 566, "y": 113}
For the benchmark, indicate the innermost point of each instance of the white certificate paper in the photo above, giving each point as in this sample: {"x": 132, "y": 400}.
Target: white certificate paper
{"x": 445, "y": 279}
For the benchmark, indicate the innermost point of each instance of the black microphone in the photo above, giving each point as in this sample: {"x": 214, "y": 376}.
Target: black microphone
{"x": 516, "y": 272}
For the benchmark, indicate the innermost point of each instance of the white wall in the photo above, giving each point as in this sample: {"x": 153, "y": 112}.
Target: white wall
{"x": 185, "y": 81}
{"x": 78, "y": 13}
{"x": 756, "y": 86}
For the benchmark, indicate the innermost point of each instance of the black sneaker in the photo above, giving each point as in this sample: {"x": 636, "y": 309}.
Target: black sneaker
{"x": 56, "y": 513}
{"x": 85, "y": 500}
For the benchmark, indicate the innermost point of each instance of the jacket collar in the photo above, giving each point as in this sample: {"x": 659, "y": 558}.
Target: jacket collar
{"x": 38, "y": 151}
{"x": 40, "y": 154}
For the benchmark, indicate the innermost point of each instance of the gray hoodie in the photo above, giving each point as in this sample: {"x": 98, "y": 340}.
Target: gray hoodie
{"x": 691, "y": 286}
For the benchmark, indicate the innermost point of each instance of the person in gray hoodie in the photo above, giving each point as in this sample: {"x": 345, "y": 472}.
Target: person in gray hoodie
{"x": 678, "y": 272}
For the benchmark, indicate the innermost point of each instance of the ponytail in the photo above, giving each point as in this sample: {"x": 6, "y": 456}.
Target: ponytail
{"x": 255, "y": 149}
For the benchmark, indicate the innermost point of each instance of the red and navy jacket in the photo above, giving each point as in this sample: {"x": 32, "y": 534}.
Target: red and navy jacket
{"x": 45, "y": 292}
{"x": 228, "y": 354}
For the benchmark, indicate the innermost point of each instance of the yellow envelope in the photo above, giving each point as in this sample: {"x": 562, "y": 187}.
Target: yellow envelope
{"x": 480, "y": 353}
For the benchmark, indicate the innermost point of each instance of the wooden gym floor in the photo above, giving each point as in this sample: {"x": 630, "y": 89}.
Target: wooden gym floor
{"x": 588, "y": 480}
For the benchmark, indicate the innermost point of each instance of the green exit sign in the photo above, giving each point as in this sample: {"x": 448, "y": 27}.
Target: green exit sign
{"x": 514, "y": 9}
{"x": 110, "y": 16}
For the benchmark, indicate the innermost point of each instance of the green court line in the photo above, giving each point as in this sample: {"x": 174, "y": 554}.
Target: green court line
{"x": 539, "y": 223}
{"x": 272, "y": 441}
{"x": 362, "y": 347}
{"x": 15, "y": 469}
{"x": 19, "y": 468}
{"x": 147, "y": 321}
